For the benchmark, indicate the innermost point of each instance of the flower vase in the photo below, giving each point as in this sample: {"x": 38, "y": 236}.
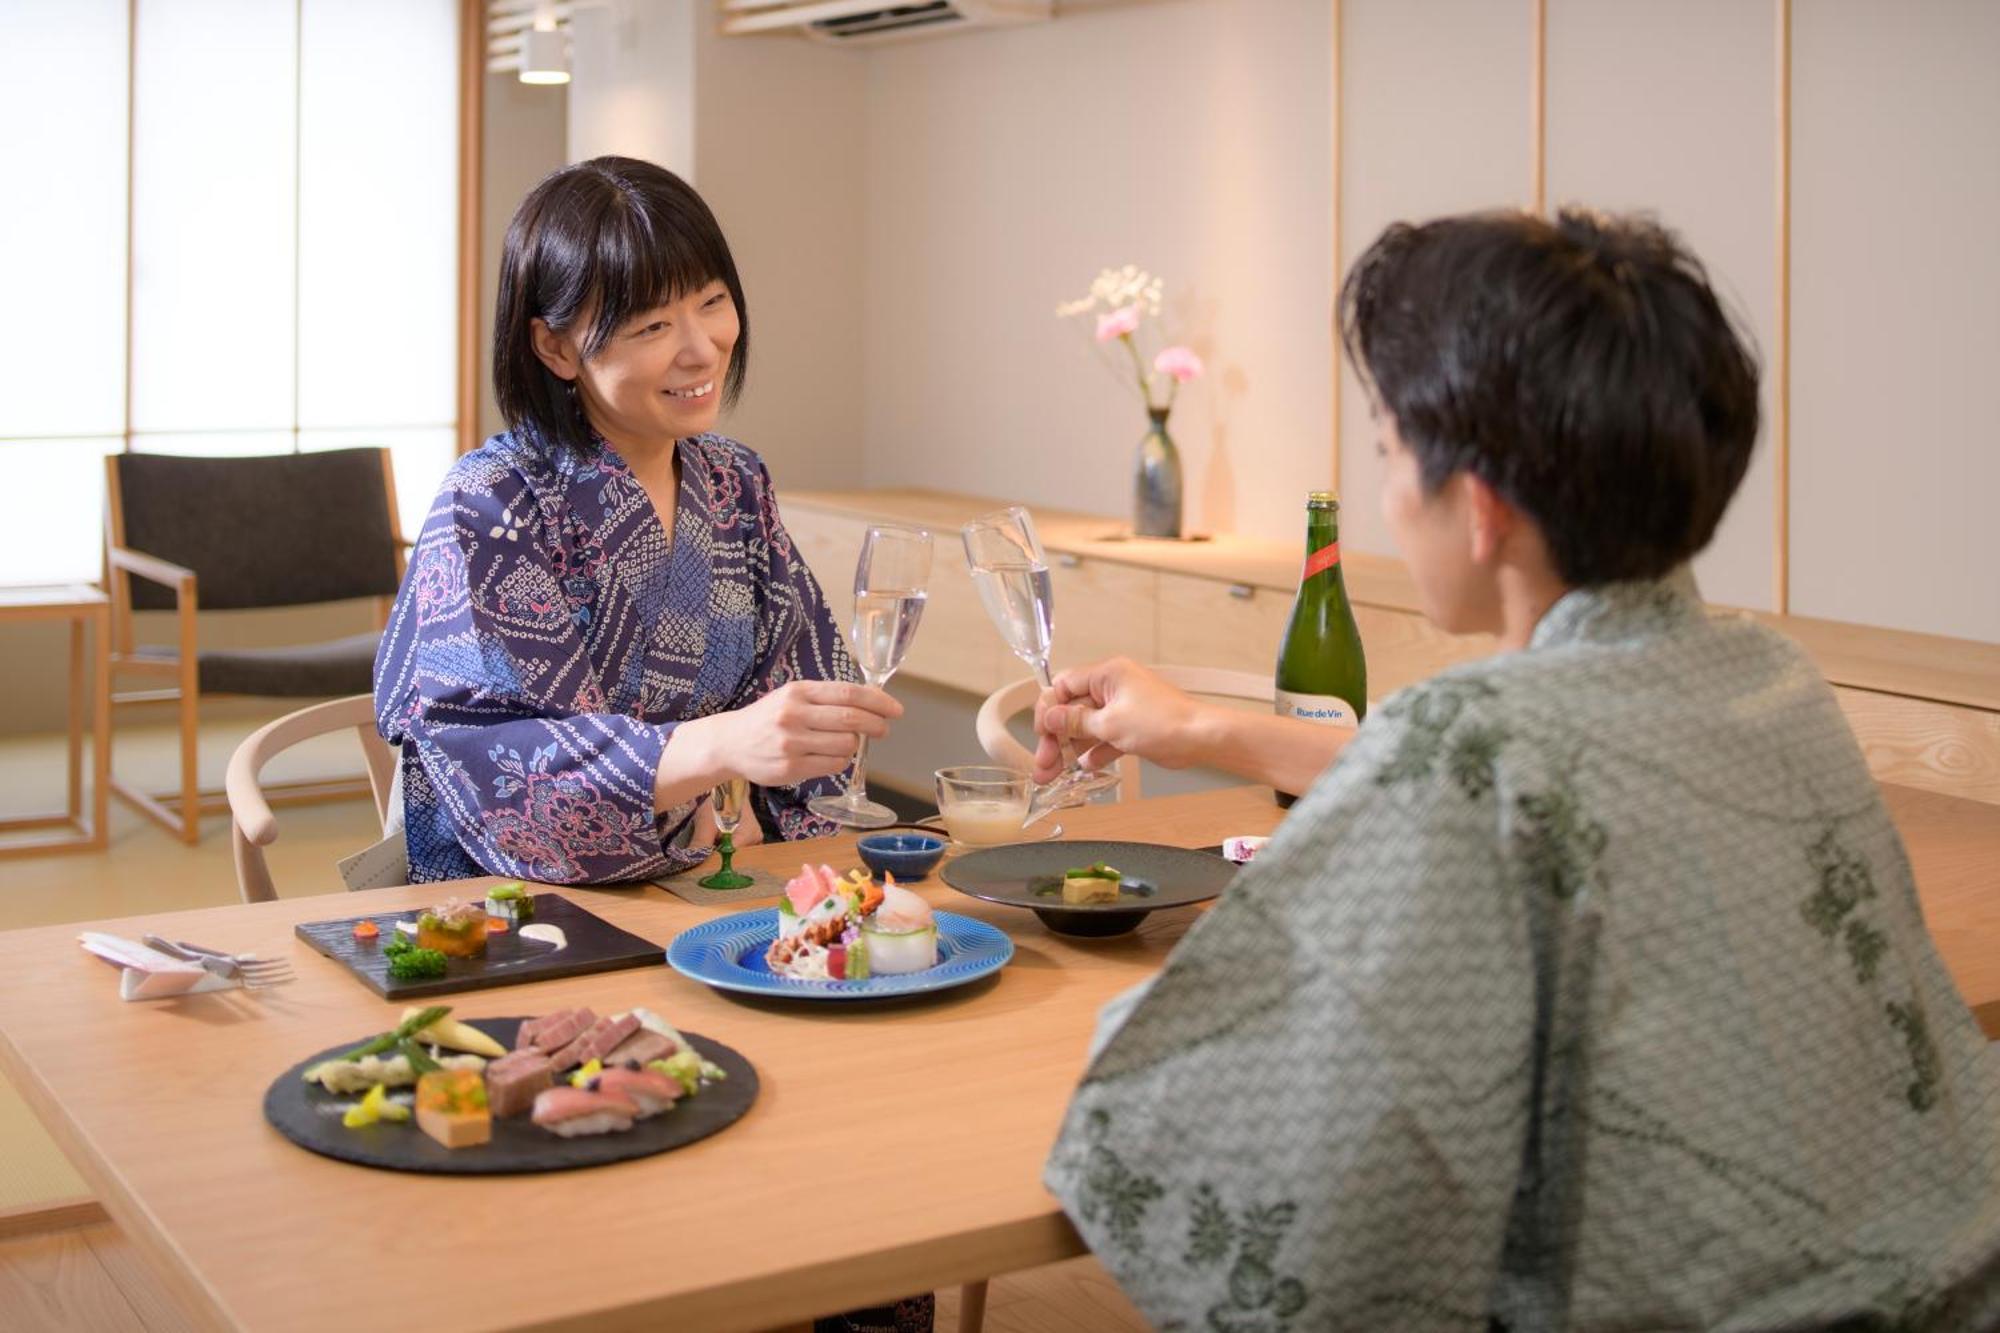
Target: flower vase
{"x": 1157, "y": 492}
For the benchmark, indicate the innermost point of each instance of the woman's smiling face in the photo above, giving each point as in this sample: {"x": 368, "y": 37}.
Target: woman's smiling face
{"x": 659, "y": 377}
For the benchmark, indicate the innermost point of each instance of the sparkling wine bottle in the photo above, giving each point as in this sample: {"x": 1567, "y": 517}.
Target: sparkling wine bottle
{"x": 1322, "y": 675}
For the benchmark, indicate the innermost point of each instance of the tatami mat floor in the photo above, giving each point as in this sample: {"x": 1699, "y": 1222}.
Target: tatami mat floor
{"x": 91, "y": 1277}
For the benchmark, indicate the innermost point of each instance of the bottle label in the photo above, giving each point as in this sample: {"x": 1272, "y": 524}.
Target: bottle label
{"x": 1325, "y": 558}
{"x": 1328, "y": 708}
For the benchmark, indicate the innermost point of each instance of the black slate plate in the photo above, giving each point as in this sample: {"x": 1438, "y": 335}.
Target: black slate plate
{"x": 309, "y": 1116}
{"x": 595, "y": 945}
{"x": 1029, "y": 874}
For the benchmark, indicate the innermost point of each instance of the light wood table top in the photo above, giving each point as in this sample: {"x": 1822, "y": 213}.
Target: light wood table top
{"x": 894, "y": 1148}
{"x": 50, "y": 601}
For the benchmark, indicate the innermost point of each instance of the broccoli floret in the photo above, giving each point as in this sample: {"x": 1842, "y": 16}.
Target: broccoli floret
{"x": 414, "y": 964}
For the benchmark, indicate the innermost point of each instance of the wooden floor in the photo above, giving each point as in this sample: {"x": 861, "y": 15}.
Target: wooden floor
{"x": 90, "y": 1277}
{"x": 87, "y": 1278}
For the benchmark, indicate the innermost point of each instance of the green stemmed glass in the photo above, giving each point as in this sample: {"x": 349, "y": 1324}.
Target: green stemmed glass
{"x": 730, "y": 798}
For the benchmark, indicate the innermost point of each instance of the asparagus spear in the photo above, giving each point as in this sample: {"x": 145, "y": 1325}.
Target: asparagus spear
{"x": 409, "y": 1027}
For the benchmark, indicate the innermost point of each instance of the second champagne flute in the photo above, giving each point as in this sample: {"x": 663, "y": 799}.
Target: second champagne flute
{"x": 1012, "y": 575}
{"x": 890, "y": 581}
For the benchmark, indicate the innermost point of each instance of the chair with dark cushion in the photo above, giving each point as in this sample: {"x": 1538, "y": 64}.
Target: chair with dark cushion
{"x": 276, "y": 530}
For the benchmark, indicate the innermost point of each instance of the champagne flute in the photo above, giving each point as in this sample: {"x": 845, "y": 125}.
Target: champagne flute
{"x": 731, "y": 796}
{"x": 1012, "y": 575}
{"x": 889, "y": 588}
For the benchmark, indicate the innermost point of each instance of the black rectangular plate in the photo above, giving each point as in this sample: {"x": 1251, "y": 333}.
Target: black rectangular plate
{"x": 595, "y": 945}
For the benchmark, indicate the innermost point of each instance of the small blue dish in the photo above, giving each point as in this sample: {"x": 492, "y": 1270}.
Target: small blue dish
{"x": 907, "y": 856}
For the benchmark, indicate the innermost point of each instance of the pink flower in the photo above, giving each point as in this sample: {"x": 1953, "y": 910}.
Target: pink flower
{"x": 1117, "y": 324}
{"x": 1180, "y": 362}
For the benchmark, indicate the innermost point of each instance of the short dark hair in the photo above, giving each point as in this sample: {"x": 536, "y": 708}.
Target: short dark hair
{"x": 1582, "y": 367}
{"x": 615, "y": 237}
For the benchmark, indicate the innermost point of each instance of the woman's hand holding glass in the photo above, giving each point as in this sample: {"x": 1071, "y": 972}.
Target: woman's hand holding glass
{"x": 802, "y": 730}
{"x": 807, "y": 729}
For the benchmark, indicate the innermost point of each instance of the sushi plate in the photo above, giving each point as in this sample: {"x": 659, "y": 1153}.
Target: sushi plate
{"x": 309, "y": 1116}
{"x": 728, "y": 954}
{"x": 1030, "y": 875}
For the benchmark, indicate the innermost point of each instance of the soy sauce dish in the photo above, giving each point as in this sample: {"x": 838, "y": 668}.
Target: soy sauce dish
{"x": 907, "y": 856}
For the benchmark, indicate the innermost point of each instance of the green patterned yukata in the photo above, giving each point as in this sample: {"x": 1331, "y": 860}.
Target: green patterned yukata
{"x": 1588, "y": 990}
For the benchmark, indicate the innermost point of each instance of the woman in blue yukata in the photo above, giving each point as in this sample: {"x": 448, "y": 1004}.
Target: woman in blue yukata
{"x": 604, "y": 616}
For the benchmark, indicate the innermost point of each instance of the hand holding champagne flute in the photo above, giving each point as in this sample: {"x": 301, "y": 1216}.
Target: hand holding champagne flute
{"x": 1012, "y": 575}
{"x": 889, "y": 589}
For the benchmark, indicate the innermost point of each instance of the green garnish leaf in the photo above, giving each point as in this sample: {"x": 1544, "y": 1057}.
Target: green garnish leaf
{"x": 1098, "y": 871}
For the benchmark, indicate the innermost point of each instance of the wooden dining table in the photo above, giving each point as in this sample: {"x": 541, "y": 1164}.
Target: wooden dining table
{"x": 895, "y": 1147}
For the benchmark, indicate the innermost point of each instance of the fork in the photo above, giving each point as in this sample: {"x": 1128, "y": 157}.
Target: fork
{"x": 252, "y": 972}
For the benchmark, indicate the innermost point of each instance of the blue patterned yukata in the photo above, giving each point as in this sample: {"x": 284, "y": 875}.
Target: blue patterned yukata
{"x": 547, "y": 640}
{"x": 1587, "y": 990}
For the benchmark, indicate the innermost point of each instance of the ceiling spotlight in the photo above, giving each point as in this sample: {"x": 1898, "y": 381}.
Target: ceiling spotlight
{"x": 543, "y": 59}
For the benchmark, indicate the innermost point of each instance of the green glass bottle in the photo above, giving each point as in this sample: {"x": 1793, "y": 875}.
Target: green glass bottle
{"x": 1322, "y": 675}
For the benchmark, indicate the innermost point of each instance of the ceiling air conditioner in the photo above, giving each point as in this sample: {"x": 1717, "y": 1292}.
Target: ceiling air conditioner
{"x": 866, "y": 22}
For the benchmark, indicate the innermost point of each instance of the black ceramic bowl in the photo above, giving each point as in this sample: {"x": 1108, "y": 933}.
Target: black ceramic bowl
{"x": 907, "y": 856}
{"x": 1030, "y": 875}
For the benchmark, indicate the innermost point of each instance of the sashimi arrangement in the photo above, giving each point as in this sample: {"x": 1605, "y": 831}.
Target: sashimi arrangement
{"x": 568, "y": 1075}
{"x": 835, "y": 929}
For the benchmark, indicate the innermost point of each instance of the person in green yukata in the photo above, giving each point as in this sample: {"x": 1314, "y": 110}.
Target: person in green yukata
{"x": 1587, "y": 989}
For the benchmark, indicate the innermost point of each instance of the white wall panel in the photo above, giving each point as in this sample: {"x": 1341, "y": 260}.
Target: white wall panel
{"x": 778, "y": 156}
{"x": 1434, "y": 120}
{"x": 1669, "y": 107}
{"x": 1896, "y": 281}
{"x": 1005, "y": 168}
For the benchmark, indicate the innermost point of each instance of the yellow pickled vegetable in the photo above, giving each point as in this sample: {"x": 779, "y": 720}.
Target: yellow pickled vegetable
{"x": 368, "y": 1110}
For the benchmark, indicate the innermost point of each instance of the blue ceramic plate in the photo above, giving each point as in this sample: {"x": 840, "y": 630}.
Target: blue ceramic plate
{"x": 728, "y": 954}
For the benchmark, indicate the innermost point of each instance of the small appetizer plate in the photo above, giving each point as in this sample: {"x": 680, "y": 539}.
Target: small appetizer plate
{"x": 728, "y": 954}
{"x": 1030, "y": 875}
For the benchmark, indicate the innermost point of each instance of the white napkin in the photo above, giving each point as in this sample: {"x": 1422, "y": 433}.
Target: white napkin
{"x": 148, "y": 974}
{"x": 381, "y": 865}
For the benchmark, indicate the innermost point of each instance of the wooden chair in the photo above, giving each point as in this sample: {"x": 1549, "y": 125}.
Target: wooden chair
{"x": 1019, "y": 697}
{"x": 252, "y": 825}
{"x": 184, "y": 534}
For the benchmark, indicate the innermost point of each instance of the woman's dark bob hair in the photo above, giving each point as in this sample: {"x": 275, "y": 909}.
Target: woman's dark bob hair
{"x": 609, "y": 239}
{"x": 1581, "y": 367}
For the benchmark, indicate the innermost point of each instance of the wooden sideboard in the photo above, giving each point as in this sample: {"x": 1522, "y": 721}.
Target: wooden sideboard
{"x": 1925, "y": 708}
